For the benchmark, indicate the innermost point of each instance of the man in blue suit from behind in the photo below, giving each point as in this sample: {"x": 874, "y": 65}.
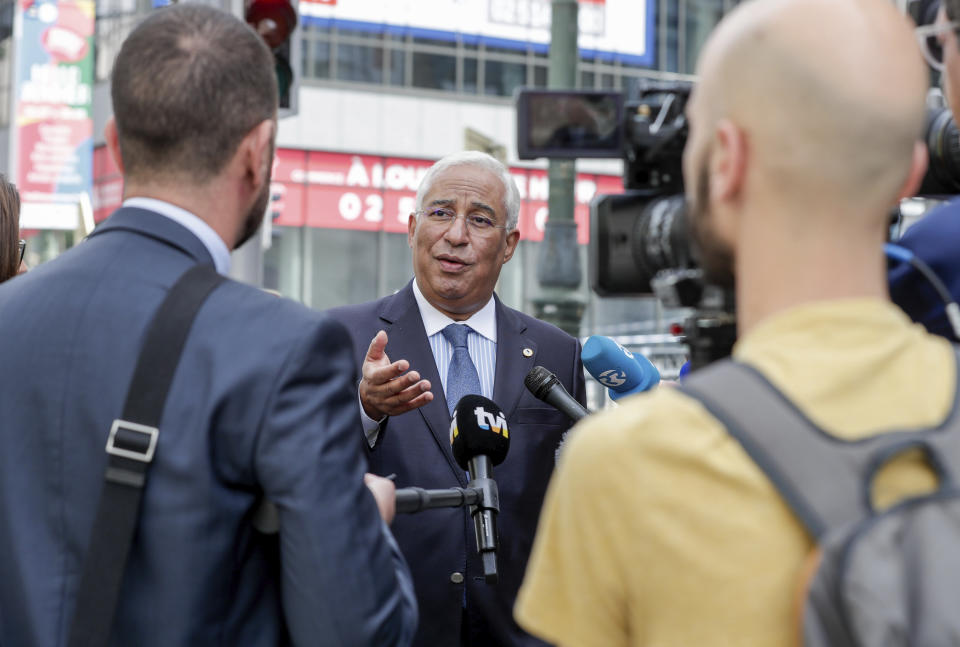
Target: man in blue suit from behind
{"x": 464, "y": 230}
{"x": 262, "y": 405}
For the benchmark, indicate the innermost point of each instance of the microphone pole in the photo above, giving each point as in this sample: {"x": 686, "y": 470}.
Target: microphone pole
{"x": 415, "y": 499}
{"x": 484, "y": 513}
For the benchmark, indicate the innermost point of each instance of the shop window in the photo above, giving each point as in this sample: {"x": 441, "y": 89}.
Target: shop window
{"x": 359, "y": 63}
{"x": 501, "y": 78}
{"x": 434, "y": 71}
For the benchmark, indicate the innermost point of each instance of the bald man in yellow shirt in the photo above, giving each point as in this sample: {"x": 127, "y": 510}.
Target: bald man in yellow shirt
{"x": 658, "y": 529}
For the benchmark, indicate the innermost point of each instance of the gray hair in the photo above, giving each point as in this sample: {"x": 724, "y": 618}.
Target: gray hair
{"x": 511, "y": 195}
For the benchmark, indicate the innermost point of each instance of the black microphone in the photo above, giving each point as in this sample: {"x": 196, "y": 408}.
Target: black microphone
{"x": 546, "y": 386}
{"x": 479, "y": 438}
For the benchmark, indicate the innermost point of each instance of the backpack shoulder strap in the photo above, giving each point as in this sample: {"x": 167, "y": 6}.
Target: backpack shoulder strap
{"x": 130, "y": 447}
{"x": 824, "y": 479}
{"x": 946, "y": 438}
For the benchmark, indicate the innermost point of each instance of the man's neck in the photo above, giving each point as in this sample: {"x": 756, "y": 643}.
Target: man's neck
{"x": 208, "y": 203}
{"x": 777, "y": 269}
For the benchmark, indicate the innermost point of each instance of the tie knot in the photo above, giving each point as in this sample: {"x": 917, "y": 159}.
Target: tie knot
{"x": 456, "y": 334}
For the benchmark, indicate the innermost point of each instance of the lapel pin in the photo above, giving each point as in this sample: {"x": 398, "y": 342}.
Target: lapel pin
{"x": 528, "y": 352}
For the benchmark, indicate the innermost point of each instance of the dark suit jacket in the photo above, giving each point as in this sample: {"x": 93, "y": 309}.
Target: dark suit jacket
{"x": 416, "y": 446}
{"x": 263, "y": 404}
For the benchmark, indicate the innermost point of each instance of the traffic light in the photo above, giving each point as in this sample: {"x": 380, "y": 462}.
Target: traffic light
{"x": 275, "y": 21}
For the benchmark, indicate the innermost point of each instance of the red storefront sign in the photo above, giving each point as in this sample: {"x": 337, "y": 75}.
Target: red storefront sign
{"x": 369, "y": 192}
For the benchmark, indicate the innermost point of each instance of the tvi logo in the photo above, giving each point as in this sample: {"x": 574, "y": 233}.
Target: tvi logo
{"x": 612, "y": 378}
{"x": 492, "y": 422}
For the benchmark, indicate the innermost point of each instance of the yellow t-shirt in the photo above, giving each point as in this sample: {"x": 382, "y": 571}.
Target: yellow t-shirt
{"x": 659, "y": 530}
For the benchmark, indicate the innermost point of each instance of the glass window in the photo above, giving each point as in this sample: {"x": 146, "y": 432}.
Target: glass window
{"x": 470, "y": 75}
{"x": 321, "y": 60}
{"x": 514, "y": 51}
{"x": 343, "y": 254}
{"x": 671, "y": 41}
{"x": 360, "y": 63}
{"x": 435, "y": 42}
{"x": 587, "y": 79}
{"x": 283, "y": 263}
{"x": 608, "y": 81}
{"x": 398, "y": 67}
{"x": 397, "y": 263}
{"x": 700, "y": 19}
{"x": 540, "y": 76}
{"x": 434, "y": 71}
{"x": 500, "y": 78}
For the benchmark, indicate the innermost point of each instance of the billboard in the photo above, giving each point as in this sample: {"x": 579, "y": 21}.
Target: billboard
{"x": 51, "y": 153}
{"x": 611, "y": 30}
{"x": 370, "y": 192}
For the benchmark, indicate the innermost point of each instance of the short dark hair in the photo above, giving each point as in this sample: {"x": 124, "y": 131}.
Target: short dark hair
{"x": 9, "y": 229}
{"x": 189, "y": 83}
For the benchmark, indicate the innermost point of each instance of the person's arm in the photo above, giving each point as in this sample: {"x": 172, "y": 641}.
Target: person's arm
{"x": 387, "y": 388}
{"x": 371, "y": 427}
{"x": 344, "y": 579}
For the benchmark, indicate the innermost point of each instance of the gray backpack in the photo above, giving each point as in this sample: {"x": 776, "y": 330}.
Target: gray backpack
{"x": 885, "y": 578}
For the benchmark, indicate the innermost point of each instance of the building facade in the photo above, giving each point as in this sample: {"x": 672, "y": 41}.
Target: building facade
{"x": 387, "y": 87}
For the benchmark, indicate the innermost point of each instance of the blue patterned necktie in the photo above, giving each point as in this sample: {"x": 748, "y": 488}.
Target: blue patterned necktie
{"x": 462, "y": 376}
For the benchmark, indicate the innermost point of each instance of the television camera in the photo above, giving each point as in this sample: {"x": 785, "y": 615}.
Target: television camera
{"x": 640, "y": 243}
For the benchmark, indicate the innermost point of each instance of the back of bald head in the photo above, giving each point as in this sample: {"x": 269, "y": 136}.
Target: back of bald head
{"x": 830, "y": 94}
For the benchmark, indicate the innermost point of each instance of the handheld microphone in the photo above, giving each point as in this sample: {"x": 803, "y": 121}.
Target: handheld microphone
{"x": 622, "y": 372}
{"x": 545, "y": 386}
{"x": 480, "y": 438}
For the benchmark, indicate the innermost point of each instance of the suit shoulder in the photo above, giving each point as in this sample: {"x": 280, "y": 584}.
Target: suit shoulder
{"x": 356, "y": 312}
{"x": 542, "y": 329}
{"x": 240, "y": 306}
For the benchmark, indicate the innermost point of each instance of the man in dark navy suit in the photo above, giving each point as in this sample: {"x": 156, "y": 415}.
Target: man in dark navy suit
{"x": 262, "y": 405}
{"x": 446, "y": 335}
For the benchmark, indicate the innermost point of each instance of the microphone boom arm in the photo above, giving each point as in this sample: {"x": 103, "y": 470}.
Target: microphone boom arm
{"x": 415, "y": 499}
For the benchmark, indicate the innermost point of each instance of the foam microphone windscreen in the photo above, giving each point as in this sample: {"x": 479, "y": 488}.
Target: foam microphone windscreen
{"x": 478, "y": 428}
{"x": 617, "y": 368}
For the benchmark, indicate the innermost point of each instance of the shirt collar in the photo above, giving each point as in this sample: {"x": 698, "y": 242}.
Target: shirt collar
{"x": 210, "y": 239}
{"x": 483, "y": 321}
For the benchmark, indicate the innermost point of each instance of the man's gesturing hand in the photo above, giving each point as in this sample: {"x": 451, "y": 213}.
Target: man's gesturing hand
{"x": 387, "y": 389}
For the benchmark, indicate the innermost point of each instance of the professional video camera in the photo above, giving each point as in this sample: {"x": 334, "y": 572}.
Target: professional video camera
{"x": 639, "y": 240}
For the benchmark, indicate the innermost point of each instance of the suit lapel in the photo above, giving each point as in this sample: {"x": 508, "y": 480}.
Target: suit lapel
{"x": 512, "y": 361}
{"x": 408, "y": 340}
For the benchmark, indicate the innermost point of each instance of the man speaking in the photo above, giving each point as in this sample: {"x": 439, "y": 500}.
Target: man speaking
{"x": 446, "y": 335}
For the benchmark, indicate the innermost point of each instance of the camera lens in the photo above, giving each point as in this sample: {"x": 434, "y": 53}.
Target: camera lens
{"x": 660, "y": 240}
{"x": 943, "y": 142}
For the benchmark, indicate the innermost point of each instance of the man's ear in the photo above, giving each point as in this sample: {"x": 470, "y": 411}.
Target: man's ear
{"x": 411, "y": 229}
{"x": 512, "y": 239}
{"x": 112, "y": 139}
{"x": 257, "y": 153}
{"x": 728, "y": 164}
